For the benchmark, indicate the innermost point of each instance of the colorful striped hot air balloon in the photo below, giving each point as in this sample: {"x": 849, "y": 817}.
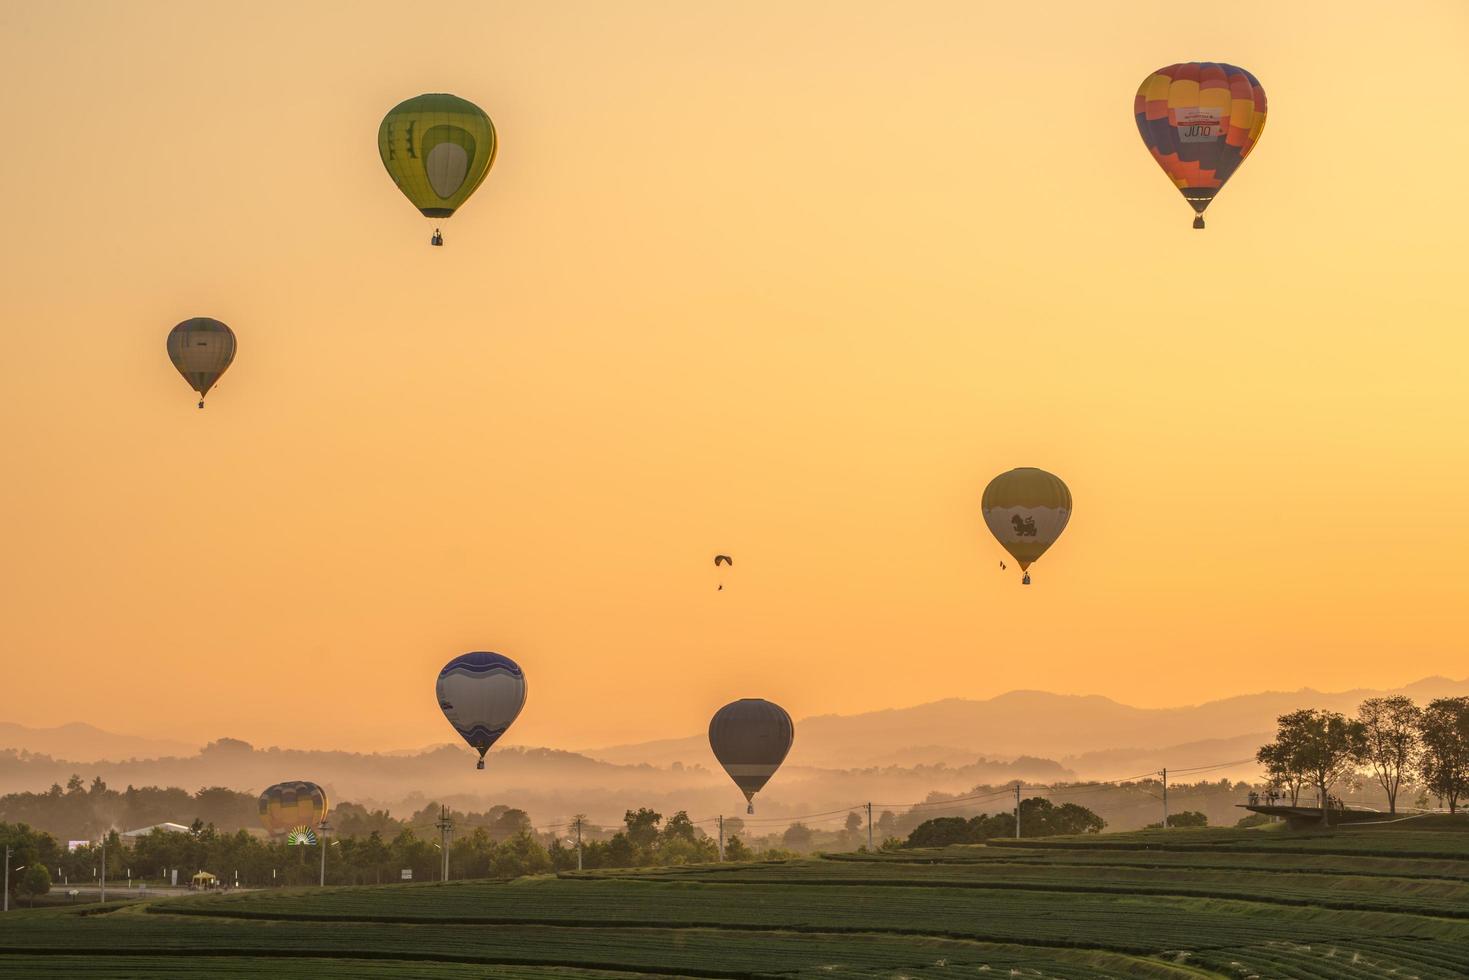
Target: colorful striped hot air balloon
{"x": 750, "y": 738}
{"x": 201, "y": 349}
{"x": 1026, "y": 510}
{"x": 1200, "y": 120}
{"x": 481, "y": 694}
{"x": 286, "y": 807}
{"x": 438, "y": 149}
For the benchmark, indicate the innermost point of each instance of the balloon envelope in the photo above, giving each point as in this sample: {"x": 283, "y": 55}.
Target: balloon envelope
{"x": 438, "y": 148}
{"x": 1200, "y": 120}
{"x": 201, "y": 349}
{"x": 1026, "y": 510}
{"x": 481, "y": 694}
{"x": 288, "y": 806}
{"x": 750, "y": 738}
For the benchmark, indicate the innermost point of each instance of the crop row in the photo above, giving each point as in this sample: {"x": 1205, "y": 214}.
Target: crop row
{"x": 186, "y": 967}
{"x": 1024, "y": 916}
{"x": 1400, "y": 894}
{"x": 691, "y": 952}
{"x": 1341, "y": 960}
{"x": 1265, "y": 860}
{"x": 1345, "y": 842}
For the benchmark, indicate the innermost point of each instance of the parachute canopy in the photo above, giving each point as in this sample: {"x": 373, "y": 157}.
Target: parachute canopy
{"x": 1026, "y": 510}
{"x": 438, "y": 149}
{"x": 750, "y": 738}
{"x": 287, "y": 807}
{"x": 481, "y": 694}
{"x": 1200, "y": 120}
{"x": 723, "y": 560}
{"x": 201, "y": 349}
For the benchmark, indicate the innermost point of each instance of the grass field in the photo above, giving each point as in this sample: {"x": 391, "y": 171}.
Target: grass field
{"x": 1349, "y": 903}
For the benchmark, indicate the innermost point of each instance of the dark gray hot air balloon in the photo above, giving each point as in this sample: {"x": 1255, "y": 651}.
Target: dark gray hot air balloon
{"x": 202, "y": 349}
{"x": 750, "y": 738}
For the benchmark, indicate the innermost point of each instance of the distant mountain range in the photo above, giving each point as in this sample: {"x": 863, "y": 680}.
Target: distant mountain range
{"x": 78, "y": 740}
{"x": 898, "y": 755}
{"x": 1094, "y": 735}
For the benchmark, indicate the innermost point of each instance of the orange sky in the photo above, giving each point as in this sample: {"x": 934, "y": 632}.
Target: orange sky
{"x": 791, "y": 281}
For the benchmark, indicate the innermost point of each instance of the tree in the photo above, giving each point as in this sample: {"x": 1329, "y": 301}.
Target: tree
{"x": 1323, "y": 746}
{"x": 1282, "y": 770}
{"x": 680, "y": 827}
{"x": 942, "y": 831}
{"x": 1188, "y": 818}
{"x": 1390, "y": 731}
{"x": 1443, "y": 760}
{"x": 35, "y": 882}
{"x": 735, "y": 849}
{"x": 797, "y": 837}
{"x": 642, "y": 827}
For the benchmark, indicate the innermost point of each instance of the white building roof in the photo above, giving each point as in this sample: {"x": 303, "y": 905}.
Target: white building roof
{"x": 173, "y": 828}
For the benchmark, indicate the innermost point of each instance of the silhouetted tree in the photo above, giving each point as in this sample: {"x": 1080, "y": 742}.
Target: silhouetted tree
{"x": 1390, "y": 741}
{"x": 1443, "y": 761}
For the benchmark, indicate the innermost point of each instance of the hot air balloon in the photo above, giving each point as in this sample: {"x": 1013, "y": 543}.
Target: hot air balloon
{"x": 481, "y": 694}
{"x": 438, "y": 148}
{"x": 202, "y": 349}
{"x": 1200, "y": 120}
{"x": 1026, "y": 510}
{"x": 285, "y": 808}
{"x": 750, "y": 738}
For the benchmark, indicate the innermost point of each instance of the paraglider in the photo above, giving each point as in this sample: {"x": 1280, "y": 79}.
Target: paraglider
{"x": 438, "y": 148}
{"x": 293, "y": 807}
{"x": 481, "y": 694}
{"x": 1200, "y": 120}
{"x": 750, "y": 738}
{"x": 722, "y": 560}
{"x": 1026, "y": 510}
{"x": 201, "y": 349}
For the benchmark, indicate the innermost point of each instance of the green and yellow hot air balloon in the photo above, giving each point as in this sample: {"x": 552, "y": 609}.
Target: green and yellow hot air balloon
{"x": 1026, "y": 510}
{"x": 437, "y": 148}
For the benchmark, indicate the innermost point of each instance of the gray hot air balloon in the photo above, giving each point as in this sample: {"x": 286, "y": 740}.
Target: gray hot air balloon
{"x": 202, "y": 349}
{"x": 750, "y": 738}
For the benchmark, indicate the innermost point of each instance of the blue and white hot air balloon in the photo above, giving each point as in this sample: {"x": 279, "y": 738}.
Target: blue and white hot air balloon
{"x": 481, "y": 694}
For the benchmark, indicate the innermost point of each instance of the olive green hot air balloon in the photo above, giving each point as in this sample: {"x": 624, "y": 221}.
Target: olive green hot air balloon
{"x": 438, "y": 148}
{"x": 202, "y": 349}
{"x": 1026, "y": 510}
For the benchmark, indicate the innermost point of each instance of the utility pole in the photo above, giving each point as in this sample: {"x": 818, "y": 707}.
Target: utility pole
{"x": 578, "y": 843}
{"x": 324, "y": 828}
{"x": 721, "y": 838}
{"x": 1017, "y": 811}
{"x": 104, "y": 868}
{"x": 869, "y": 825}
{"x": 7, "y": 877}
{"x": 1164, "y": 774}
{"x": 445, "y": 825}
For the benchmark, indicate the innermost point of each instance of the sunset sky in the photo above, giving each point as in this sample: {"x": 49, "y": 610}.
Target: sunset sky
{"x": 790, "y": 281}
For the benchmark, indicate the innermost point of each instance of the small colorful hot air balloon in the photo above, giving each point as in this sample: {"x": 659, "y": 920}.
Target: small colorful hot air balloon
{"x": 1200, "y": 120}
{"x": 302, "y": 836}
{"x": 438, "y": 148}
{"x": 1026, "y": 510}
{"x": 750, "y": 738}
{"x": 201, "y": 349}
{"x": 286, "y": 807}
{"x": 481, "y": 694}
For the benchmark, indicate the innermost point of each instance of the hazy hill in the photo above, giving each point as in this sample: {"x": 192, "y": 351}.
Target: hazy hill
{"x": 78, "y": 740}
{"x": 1083, "y": 730}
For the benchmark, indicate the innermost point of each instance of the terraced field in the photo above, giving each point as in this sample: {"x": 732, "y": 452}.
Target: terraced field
{"x": 1340, "y": 904}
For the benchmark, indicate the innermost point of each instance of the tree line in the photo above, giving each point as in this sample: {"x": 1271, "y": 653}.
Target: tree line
{"x": 491, "y": 845}
{"x": 1391, "y": 740}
